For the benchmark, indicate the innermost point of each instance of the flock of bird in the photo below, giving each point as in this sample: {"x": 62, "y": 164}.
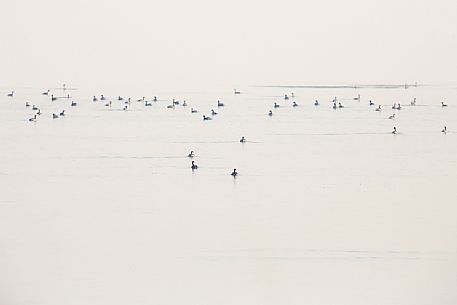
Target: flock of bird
{"x": 335, "y": 105}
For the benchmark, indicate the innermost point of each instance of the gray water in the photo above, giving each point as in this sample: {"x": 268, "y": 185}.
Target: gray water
{"x": 330, "y": 207}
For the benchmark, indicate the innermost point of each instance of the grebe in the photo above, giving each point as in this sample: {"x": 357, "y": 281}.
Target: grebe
{"x": 108, "y": 104}
{"x": 220, "y": 104}
{"x": 73, "y": 103}
{"x": 120, "y": 98}
{"x": 27, "y": 104}
{"x": 334, "y": 105}
{"x": 371, "y": 103}
{"x": 243, "y": 139}
{"x": 11, "y": 94}
{"x": 172, "y": 106}
{"x": 125, "y": 108}
{"x": 191, "y": 154}
{"x": 154, "y": 99}
{"x": 34, "y": 107}
{"x": 33, "y": 119}
{"x": 184, "y": 104}
{"x": 286, "y": 97}
{"x": 206, "y": 118}
{"x": 270, "y": 113}
{"x": 39, "y": 111}
{"x": 237, "y": 92}
{"x": 147, "y": 104}
{"x": 340, "y": 106}
{"x": 316, "y": 103}
{"x": 398, "y": 107}
{"x": 55, "y": 116}
{"x": 234, "y": 173}
{"x": 192, "y": 110}
{"x": 395, "y": 130}
{"x": 140, "y": 100}
{"x": 294, "y": 104}
{"x": 392, "y": 116}
{"x": 94, "y": 99}
{"x": 46, "y": 92}
{"x": 194, "y": 166}
{"x": 276, "y": 105}
{"x": 62, "y": 113}
{"x": 175, "y": 102}
{"x": 102, "y": 98}
{"x": 444, "y": 130}
{"x": 413, "y": 102}
{"x": 53, "y": 98}
{"x": 379, "y": 108}
{"x": 443, "y": 104}
{"x": 213, "y": 112}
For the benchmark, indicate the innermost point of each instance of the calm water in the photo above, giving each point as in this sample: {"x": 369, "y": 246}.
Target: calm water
{"x": 101, "y": 206}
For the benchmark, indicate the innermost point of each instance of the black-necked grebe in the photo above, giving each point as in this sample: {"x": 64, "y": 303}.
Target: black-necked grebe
{"x": 395, "y": 130}
{"x": 234, "y": 173}
{"x": 191, "y": 154}
{"x": 194, "y": 166}
{"x": 243, "y": 139}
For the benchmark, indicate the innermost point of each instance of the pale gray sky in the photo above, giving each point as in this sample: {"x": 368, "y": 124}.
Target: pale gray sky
{"x": 238, "y": 42}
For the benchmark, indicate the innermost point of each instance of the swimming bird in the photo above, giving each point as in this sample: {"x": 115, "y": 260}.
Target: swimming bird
{"x": 220, "y": 104}
{"x": 294, "y": 104}
{"x": 102, "y": 98}
{"x": 27, "y": 104}
{"x": 34, "y": 107}
{"x": 237, "y": 92}
{"x": 33, "y": 119}
{"x": 55, "y": 116}
{"x": 126, "y": 107}
{"x": 191, "y": 154}
{"x": 62, "y": 113}
{"x": 108, "y": 104}
{"x": 243, "y": 139}
{"x": 276, "y": 105}
{"x": 73, "y": 103}
{"x": 395, "y": 130}
{"x": 398, "y": 107}
{"x": 371, "y": 103}
{"x": 172, "y": 106}
{"x": 53, "y": 98}
{"x": 443, "y": 104}
{"x": 292, "y": 94}
{"x": 206, "y": 118}
{"x": 184, "y": 104}
{"x": 334, "y": 105}
{"x": 155, "y": 99}
{"x": 444, "y": 130}
{"x": 120, "y": 98}
{"x": 11, "y": 94}
{"x": 379, "y": 108}
{"x": 413, "y": 102}
{"x": 213, "y": 112}
{"x": 340, "y": 106}
{"x": 175, "y": 102}
{"x": 394, "y": 106}
{"x": 94, "y": 99}
{"x": 192, "y": 110}
{"x": 270, "y": 113}
{"x": 357, "y": 98}
{"x": 391, "y": 117}
{"x": 234, "y": 173}
{"x": 286, "y": 97}
{"x": 194, "y": 166}
{"x": 140, "y": 100}
{"x": 146, "y": 103}
{"x": 46, "y": 92}
{"x": 39, "y": 111}
{"x": 316, "y": 103}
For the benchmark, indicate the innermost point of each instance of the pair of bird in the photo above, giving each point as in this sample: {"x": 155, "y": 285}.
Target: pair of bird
{"x": 195, "y": 166}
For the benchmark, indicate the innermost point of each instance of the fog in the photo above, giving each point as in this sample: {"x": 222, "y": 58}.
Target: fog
{"x": 49, "y": 42}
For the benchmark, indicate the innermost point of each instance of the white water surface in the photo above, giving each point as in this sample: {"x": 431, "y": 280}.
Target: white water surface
{"x": 101, "y": 206}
